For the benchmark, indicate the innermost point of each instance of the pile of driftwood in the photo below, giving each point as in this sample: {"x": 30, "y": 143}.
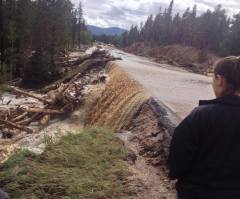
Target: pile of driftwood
{"x": 56, "y": 99}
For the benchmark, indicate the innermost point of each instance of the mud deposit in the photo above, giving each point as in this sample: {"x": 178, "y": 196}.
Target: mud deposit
{"x": 124, "y": 106}
{"x": 149, "y": 140}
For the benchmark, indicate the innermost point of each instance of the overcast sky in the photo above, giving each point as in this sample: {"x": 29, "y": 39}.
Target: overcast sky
{"x": 124, "y": 13}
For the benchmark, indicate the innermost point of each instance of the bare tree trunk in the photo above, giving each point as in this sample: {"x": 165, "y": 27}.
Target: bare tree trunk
{"x": 79, "y": 34}
{"x": 52, "y": 51}
{"x": 1, "y": 37}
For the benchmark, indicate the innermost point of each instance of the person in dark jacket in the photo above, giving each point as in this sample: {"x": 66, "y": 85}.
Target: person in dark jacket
{"x": 205, "y": 149}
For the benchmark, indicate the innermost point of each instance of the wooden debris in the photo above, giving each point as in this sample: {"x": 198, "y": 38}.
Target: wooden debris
{"x": 42, "y": 110}
{"x": 16, "y": 126}
{"x": 29, "y": 94}
{"x": 63, "y": 96}
{"x": 29, "y": 120}
{"x": 20, "y": 117}
{"x": 80, "y": 69}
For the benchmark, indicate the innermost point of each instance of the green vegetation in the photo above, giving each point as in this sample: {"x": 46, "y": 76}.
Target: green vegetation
{"x": 42, "y": 27}
{"x": 110, "y": 39}
{"x": 211, "y": 30}
{"x": 88, "y": 165}
{"x": 86, "y": 37}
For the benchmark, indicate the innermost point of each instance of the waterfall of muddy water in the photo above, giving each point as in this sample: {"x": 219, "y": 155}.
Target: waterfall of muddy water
{"x": 125, "y": 107}
{"x": 121, "y": 99}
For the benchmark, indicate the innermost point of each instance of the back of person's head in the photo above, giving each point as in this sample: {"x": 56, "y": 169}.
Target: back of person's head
{"x": 229, "y": 68}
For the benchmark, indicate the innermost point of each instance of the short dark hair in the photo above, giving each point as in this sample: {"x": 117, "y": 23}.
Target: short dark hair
{"x": 229, "y": 68}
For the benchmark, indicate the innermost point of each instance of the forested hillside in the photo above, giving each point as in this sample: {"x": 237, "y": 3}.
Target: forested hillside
{"x": 95, "y": 30}
{"x": 211, "y": 30}
{"x": 33, "y": 33}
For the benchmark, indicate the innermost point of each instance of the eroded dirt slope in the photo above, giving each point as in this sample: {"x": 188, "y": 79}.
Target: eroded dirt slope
{"x": 187, "y": 57}
{"x": 124, "y": 106}
{"x": 149, "y": 141}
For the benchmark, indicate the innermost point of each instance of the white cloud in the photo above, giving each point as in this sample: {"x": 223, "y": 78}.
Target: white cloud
{"x": 124, "y": 13}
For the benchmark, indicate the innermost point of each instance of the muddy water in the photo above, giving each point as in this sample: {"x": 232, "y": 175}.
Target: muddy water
{"x": 120, "y": 100}
{"x": 180, "y": 90}
{"x": 9, "y": 100}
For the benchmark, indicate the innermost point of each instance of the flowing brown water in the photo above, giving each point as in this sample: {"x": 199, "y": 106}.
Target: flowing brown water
{"x": 120, "y": 100}
{"x": 123, "y": 105}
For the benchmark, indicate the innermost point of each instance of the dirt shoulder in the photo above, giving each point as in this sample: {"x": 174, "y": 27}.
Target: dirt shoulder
{"x": 190, "y": 58}
{"x": 125, "y": 106}
{"x": 149, "y": 140}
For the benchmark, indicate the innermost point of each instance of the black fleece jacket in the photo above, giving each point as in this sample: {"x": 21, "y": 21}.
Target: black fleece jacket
{"x": 205, "y": 151}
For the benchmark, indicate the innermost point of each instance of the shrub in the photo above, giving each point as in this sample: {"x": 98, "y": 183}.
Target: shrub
{"x": 36, "y": 71}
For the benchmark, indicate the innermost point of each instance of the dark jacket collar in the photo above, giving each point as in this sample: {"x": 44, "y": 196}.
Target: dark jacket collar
{"x": 228, "y": 100}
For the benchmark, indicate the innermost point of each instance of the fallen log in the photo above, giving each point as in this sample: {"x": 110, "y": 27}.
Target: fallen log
{"x": 20, "y": 117}
{"x": 64, "y": 95}
{"x": 70, "y": 63}
{"x": 70, "y": 84}
{"x": 42, "y": 110}
{"x": 80, "y": 69}
{"x": 29, "y": 120}
{"x": 16, "y": 126}
{"x": 29, "y": 94}
{"x": 68, "y": 108}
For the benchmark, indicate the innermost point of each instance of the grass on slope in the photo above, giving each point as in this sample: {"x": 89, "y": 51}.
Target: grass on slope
{"x": 88, "y": 165}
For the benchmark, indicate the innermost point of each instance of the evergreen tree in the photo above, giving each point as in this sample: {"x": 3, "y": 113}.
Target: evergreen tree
{"x": 35, "y": 28}
{"x": 147, "y": 29}
{"x": 133, "y": 35}
{"x": 231, "y": 43}
{"x": 74, "y": 27}
{"x": 206, "y": 31}
{"x": 80, "y": 20}
{"x": 24, "y": 31}
{"x": 1, "y": 34}
{"x": 125, "y": 41}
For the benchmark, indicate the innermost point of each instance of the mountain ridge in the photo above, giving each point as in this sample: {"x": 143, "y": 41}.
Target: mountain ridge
{"x": 95, "y": 30}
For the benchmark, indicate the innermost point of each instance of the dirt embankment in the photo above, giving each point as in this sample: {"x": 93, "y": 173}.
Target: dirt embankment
{"x": 149, "y": 140}
{"x": 190, "y": 58}
{"x": 125, "y": 106}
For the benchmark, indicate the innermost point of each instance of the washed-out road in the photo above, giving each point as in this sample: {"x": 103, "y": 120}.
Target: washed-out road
{"x": 176, "y": 88}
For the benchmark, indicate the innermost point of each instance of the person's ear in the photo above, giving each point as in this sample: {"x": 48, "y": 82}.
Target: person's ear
{"x": 219, "y": 80}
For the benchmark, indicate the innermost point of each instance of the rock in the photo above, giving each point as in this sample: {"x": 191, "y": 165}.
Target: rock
{"x": 131, "y": 157}
{"x": 124, "y": 135}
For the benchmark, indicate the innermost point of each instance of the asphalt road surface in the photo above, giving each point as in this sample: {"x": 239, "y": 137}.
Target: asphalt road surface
{"x": 178, "y": 89}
